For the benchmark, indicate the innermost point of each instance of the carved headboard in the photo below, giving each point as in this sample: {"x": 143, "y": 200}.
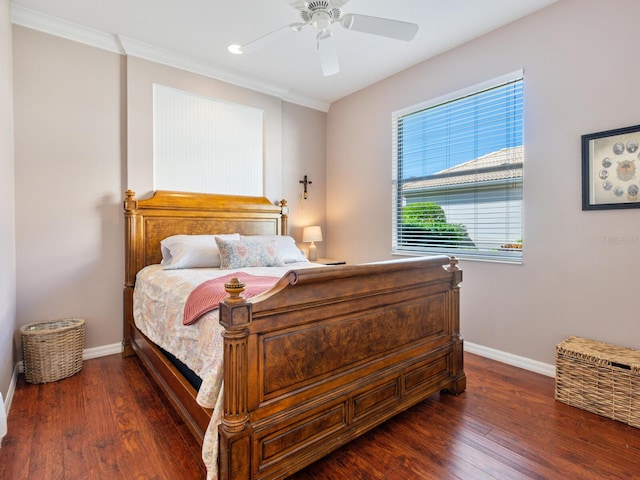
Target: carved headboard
{"x": 168, "y": 213}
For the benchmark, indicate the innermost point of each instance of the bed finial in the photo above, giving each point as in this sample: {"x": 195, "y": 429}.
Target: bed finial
{"x": 130, "y": 202}
{"x": 453, "y": 264}
{"x": 284, "y": 216}
{"x": 456, "y": 276}
{"x": 234, "y": 288}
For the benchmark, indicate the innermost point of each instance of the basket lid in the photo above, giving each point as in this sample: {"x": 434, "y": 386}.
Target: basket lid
{"x": 51, "y": 325}
{"x": 600, "y": 353}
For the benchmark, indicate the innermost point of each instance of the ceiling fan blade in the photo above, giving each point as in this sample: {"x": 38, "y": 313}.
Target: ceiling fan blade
{"x": 328, "y": 54}
{"x": 260, "y": 42}
{"x": 380, "y": 26}
{"x": 297, "y": 4}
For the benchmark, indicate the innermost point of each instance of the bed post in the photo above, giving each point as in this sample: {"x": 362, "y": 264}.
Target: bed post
{"x": 284, "y": 218}
{"x": 459, "y": 380}
{"x": 130, "y": 211}
{"x": 235, "y": 430}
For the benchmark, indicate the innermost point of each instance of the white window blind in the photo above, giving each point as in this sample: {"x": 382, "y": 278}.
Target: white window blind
{"x": 205, "y": 145}
{"x": 457, "y": 173}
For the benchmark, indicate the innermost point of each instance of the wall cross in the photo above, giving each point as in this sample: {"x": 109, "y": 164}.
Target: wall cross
{"x": 305, "y": 182}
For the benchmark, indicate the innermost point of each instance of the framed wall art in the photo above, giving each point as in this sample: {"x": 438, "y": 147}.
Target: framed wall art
{"x": 610, "y": 177}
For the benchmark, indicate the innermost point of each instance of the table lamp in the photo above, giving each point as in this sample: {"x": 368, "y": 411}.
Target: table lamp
{"x": 312, "y": 234}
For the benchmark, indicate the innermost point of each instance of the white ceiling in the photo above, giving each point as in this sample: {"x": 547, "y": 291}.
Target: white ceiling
{"x": 200, "y": 30}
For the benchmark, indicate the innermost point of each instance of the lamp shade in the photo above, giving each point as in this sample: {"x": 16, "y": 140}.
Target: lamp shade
{"x": 312, "y": 234}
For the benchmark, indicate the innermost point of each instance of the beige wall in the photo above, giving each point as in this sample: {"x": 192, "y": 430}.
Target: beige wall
{"x": 83, "y": 136}
{"x": 303, "y": 153}
{"x": 7, "y": 204}
{"x": 68, "y": 184}
{"x": 579, "y": 271}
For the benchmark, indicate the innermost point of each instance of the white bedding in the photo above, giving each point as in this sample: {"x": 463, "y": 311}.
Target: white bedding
{"x": 158, "y": 305}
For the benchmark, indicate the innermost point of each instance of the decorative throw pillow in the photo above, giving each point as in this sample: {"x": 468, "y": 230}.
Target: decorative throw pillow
{"x": 247, "y": 253}
{"x": 286, "y": 246}
{"x": 192, "y": 251}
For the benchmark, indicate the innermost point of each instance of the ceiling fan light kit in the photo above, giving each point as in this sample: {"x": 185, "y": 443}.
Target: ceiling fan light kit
{"x": 321, "y": 15}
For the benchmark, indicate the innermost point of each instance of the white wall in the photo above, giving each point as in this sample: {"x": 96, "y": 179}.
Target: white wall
{"x": 7, "y": 203}
{"x": 578, "y": 277}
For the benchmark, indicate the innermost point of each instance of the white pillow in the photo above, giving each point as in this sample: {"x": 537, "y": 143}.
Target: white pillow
{"x": 192, "y": 251}
{"x": 286, "y": 246}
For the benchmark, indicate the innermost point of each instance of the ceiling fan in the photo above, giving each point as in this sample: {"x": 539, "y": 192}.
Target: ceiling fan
{"x": 322, "y": 14}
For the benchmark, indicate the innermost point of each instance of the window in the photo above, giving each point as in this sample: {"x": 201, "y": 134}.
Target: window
{"x": 457, "y": 173}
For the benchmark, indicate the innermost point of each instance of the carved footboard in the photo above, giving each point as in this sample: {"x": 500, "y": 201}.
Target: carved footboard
{"x": 330, "y": 353}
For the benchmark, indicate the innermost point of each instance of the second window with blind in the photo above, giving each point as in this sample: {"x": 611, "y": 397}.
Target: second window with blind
{"x": 458, "y": 173}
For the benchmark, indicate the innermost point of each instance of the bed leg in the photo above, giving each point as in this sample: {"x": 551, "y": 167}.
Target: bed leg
{"x": 127, "y": 349}
{"x": 234, "y": 452}
{"x": 458, "y": 378}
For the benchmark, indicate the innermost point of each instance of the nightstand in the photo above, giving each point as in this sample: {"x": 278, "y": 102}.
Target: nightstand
{"x": 330, "y": 261}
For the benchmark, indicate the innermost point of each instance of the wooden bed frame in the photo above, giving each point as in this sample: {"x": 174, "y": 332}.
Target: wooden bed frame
{"x": 316, "y": 361}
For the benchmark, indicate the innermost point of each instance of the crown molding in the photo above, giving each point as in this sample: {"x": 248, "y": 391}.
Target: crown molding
{"x": 172, "y": 59}
{"x": 304, "y": 101}
{"x": 26, "y": 17}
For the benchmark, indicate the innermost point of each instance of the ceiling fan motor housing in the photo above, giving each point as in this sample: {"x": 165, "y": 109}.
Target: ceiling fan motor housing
{"x": 318, "y": 8}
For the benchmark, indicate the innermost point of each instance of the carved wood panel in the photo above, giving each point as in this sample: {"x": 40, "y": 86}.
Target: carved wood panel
{"x": 338, "y": 345}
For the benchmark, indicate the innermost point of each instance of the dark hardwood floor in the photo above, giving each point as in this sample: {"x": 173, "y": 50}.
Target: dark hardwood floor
{"x": 109, "y": 422}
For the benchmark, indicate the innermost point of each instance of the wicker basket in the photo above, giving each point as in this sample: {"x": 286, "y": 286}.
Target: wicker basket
{"x": 52, "y": 350}
{"x": 600, "y": 378}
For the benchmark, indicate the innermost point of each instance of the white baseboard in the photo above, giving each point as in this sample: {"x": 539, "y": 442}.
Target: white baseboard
{"x": 102, "y": 351}
{"x": 89, "y": 353}
{"x": 493, "y": 354}
{"x": 10, "y": 391}
{"x": 511, "y": 359}
{"x": 498, "y": 355}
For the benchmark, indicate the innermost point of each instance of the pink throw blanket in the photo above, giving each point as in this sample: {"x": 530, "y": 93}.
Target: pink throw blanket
{"x": 208, "y": 295}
